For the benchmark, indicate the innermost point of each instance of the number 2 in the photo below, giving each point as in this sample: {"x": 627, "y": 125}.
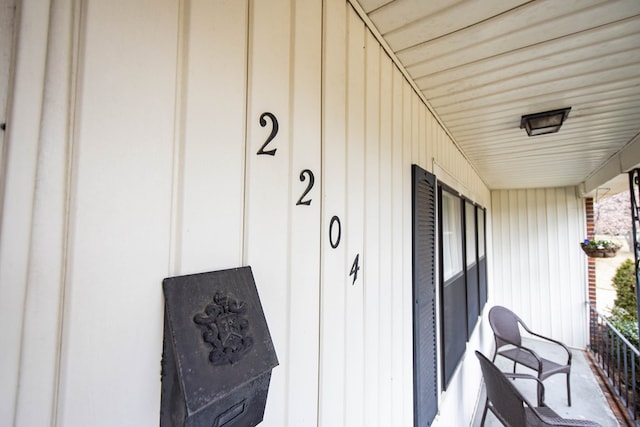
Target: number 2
{"x": 312, "y": 181}
{"x": 274, "y": 132}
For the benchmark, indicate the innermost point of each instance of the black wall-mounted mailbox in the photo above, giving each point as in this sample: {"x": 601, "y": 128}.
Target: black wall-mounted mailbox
{"x": 217, "y": 352}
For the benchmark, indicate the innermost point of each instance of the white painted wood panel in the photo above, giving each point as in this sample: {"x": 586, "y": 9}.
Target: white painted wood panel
{"x": 406, "y": 227}
{"x": 33, "y": 181}
{"x": 120, "y": 222}
{"x": 48, "y": 241}
{"x": 7, "y": 17}
{"x": 281, "y": 238}
{"x": 273, "y": 187}
{"x": 386, "y": 412}
{"x": 334, "y": 278}
{"x": 536, "y": 235}
{"x": 210, "y": 155}
{"x": 397, "y": 288}
{"x": 267, "y": 194}
{"x": 304, "y": 230}
{"x": 373, "y": 305}
{"x": 355, "y": 186}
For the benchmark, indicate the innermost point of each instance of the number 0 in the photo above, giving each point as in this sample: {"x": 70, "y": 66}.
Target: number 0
{"x": 335, "y": 242}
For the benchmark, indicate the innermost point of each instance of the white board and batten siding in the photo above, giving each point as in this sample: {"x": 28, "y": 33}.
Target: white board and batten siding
{"x": 536, "y": 236}
{"x": 161, "y": 177}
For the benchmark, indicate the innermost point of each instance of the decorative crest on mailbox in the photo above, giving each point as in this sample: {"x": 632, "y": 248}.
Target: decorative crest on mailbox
{"x": 225, "y": 328}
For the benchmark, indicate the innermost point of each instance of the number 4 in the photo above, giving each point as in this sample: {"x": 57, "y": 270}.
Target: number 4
{"x": 354, "y": 269}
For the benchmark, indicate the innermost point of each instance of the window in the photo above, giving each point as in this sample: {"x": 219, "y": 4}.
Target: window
{"x": 463, "y": 275}
{"x": 470, "y": 232}
{"x": 451, "y": 236}
{"x": 459, "y": 239}
{"x": 452, "y": 283}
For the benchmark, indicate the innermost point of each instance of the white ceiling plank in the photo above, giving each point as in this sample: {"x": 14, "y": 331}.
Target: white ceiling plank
{"x": 611, "y": 36}
{"x": 506, "y": 83}
{"x": 373, "y": 5}
{"x": 608, "y": 91}
{"x": 427, "y": 25}
{"x": 508, "y": 30}
{"x": 592, "y": 57}
{"x": 554, "y": 88}
{"x": 474, "y": 44}
{"x": 403, "y": 13}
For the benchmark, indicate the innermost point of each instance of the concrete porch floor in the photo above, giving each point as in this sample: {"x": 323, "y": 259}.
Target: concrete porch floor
{"x": 588, "y": 400}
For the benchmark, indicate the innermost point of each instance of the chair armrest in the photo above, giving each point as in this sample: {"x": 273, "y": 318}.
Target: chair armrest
{"x": 529, "y": 377}
{"x": 524, "y": 376}
{"x": 566, "y": 349}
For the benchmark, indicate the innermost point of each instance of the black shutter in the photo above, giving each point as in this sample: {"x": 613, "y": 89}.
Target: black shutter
{"x": 425, "y": 388}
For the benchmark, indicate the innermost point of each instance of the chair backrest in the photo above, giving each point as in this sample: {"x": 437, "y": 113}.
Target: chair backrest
{"x": 505, "y": 399}
{"x": 504, "y": 323}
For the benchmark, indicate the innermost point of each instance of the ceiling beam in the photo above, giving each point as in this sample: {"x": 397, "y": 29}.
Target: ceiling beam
{"x": 608, "y": 175}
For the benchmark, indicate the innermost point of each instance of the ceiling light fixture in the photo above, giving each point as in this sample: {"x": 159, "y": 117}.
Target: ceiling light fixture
{"x": 542, "y": 123}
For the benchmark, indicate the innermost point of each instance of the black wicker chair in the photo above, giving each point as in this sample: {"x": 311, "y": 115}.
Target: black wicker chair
{"x": 513, "y": 409}
{"x": 506, "y": 330}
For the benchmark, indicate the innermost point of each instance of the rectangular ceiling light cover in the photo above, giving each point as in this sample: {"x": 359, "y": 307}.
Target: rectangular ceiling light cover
{"x": 543, "y": 123}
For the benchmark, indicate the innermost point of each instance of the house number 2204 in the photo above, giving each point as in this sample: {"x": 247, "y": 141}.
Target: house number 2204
{"x": 335, "y": 226}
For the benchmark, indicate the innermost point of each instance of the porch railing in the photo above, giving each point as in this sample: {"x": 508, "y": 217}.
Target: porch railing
{"x": 618, "y": 360}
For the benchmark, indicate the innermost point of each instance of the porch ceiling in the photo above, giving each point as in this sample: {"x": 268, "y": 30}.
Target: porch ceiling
{"x": 483, "y": 64}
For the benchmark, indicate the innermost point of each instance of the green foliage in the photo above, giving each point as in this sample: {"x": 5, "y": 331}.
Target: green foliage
{"x": 624, "y": 318}
{"x": 624, "y": 282}
{"x": 625, "y": 323}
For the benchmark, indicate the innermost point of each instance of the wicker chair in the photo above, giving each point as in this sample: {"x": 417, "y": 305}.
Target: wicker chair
{"x": 513, "y": 409}
{"x": 506, "y": 331}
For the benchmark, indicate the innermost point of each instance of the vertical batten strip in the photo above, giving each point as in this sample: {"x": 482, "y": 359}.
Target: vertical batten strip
{"x": 356, "y": 257}
{"x": 19, "y": 178}
{"x": 385, "y": 345}
{"x": 212, "y": 163}
{"x": 177, "y": 181}
{"x": 270, "y": 180}
{"x": 371, "y": 276}
{"x": 304, "y": 252}
{"x": 38, "y": 381}
{"x": 120, "y": 218}
{"x": 397, "y": 239}
{"x": 333, "y": 265}
{"x": 407, "y": 250}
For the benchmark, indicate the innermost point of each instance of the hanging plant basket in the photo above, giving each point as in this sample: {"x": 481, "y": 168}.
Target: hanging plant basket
{"x": 600, "y": 248}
